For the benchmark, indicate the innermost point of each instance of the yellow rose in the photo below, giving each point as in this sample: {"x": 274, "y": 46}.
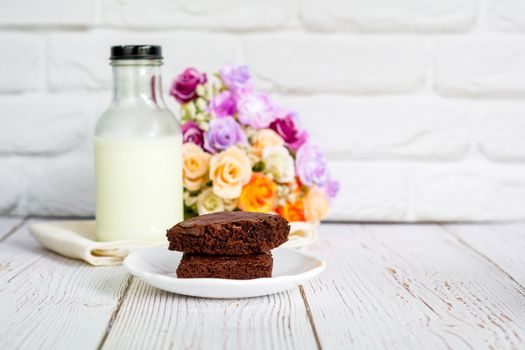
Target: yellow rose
{"x": 264, "y": 138}
{"x": 195, "y": 166}
{"x": 316, "y": 205}
{"x": 229, "y": 171}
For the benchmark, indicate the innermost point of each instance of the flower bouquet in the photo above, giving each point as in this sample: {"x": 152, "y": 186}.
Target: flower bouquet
{"x": 243, "y": 152}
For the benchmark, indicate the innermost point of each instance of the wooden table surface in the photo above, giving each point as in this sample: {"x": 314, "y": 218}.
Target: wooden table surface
{"x": 385, "y": 287}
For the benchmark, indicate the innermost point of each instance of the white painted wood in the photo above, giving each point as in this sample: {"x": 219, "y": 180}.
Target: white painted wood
{"x": 502, "y": 244}
{"x": 154, "y": 319}
{"x": 51, "y": 302}
{"x": 385, "y": 287}
{"x": 7, "y": 225}
{"x": 411, "y": 286}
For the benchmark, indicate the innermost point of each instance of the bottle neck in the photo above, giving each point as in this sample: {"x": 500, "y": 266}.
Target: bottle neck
{"x": 137, "y": 82}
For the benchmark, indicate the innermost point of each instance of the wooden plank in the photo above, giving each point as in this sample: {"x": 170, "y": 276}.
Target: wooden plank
{"x": 7, "y": 225}
{"x": 154, "y": 319}
{"x": 501, "y": 244}
{"x": 51, "y": 302}
{"x": 411, "y": 286}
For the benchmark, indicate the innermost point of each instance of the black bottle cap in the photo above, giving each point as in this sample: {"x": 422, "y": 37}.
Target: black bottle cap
{"x": 136, "y": 52}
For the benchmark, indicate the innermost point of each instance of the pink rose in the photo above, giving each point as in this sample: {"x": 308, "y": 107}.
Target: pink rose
{"x": 255, "y": 110}
{"x": 223, "y": 133}
{"x": 311, "y": 165}
{"x": 183, "y": 88}
{"x": 223, "y": 105}
{"x": 192, "y": 133}
{"x": 290, "y": 129}
{"x": 236, "y": 78}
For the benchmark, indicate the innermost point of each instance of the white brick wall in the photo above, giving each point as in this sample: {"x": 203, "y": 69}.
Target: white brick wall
{"x": 21, "y": 62}
{"x": 384, "y": 15}
{"x": 490, "y": 66}
{"x": 315, "y": 63}
{"x": 53, "y": 13}
{"x": 419, "y": 104}
{"x": 201, "y": 14}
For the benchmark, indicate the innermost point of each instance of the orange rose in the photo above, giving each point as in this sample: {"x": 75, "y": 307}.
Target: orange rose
{"x": 316, "y": 204}
{"x": 296, "y": 186}
{"x": 259, "y": 195}
{"x": 292, "y": 211}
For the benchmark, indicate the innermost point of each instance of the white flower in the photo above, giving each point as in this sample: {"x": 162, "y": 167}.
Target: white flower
{"x": 204, "y": 126}
{"x": 279, "y": 163}
{"x": 200, "y": 117}
{"x": 200, "y": 90}
{"x": 189, "y": 200}
{"x": 230, "y": 204}
{"x": 209, "y": 202}
{"x": 201, "y": 104}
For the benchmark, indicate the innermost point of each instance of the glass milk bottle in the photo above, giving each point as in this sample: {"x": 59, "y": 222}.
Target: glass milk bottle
{"x": 138, "y": 151}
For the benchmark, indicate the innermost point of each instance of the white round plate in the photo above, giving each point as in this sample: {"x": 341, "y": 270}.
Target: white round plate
{"x": 157, "y": 265}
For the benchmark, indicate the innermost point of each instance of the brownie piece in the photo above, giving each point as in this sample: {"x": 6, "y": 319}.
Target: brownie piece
{"x": 229, "y": 233}
{"x": 236, "y": 267}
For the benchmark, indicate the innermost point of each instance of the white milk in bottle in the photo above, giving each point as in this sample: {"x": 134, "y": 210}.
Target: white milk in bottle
{"x": 138, "y": 151}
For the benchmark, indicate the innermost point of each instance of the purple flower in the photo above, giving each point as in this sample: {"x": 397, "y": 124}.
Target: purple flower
{"x": 290, "y": 129}
{"x": 183, "y": 88}
{"x": 223, "y": 133}
{"x": 223, "y": 104}
{"x": 331, "y": 188}
{"x": 255, "y": 110}
{"x": 192, "y": 133}
{"x": 311, "y": 166}
{"x": 236, "y": 77}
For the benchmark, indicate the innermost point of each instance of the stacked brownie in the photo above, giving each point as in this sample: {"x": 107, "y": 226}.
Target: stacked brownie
{"x": 232, "y": 245}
